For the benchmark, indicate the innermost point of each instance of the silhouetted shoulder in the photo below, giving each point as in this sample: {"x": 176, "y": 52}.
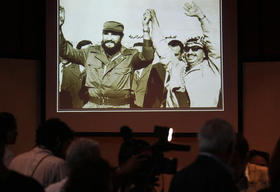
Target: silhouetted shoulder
{"x": 11, "y": 181}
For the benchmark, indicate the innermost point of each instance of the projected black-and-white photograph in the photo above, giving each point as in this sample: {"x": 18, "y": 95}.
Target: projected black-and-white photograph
{"x": 139, "y": 55}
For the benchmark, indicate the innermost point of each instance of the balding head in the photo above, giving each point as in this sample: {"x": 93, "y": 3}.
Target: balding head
{"x": 82, "y": 151}
{"x": 217, "y": 137}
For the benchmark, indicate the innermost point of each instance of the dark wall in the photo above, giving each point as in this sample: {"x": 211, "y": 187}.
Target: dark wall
{"x": 20, "y": 95}
{"x": 261, "y": 104}
{"x": 258, "y": 30}
{"x": 22, "y": 29}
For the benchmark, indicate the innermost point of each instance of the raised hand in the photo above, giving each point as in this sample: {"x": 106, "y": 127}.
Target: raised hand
{"x": 192, "y": 10}
{"x": 146, "y": 19}
{"x": 154, "y": 17}
{"x": 61, "y": 15}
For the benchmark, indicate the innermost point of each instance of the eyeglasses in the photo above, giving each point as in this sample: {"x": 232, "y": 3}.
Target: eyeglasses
{"x": 193, "y": 48}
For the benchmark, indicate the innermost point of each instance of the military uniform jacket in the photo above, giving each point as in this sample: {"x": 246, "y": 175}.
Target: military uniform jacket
{"x": 108, "y": 77}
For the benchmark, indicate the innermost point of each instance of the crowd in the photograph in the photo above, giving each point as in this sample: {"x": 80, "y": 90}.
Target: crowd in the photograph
{"x": 156, "y": 73}
{"x": 63, "y": 162}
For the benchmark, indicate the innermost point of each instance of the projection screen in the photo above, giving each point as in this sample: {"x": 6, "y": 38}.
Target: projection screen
{"x": 141, "y": 60}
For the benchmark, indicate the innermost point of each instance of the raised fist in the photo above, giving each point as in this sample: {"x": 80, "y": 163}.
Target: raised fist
{"x": 61, "y": 15}
{"x": 146, "y": 18}
{"x": 192, "y": 10}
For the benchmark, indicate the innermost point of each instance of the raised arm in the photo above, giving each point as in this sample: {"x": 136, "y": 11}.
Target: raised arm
{"x": 145, "y": 57}
{"x": 192, "y": 10}
{"x": 148, "y": 50}
{"x": 160, "y": 43}
{"x": 174, "y": 66}
{"x": 65, "y": 49}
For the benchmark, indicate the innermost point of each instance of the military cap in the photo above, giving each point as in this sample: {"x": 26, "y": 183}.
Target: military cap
{"x": 113, "y": 26}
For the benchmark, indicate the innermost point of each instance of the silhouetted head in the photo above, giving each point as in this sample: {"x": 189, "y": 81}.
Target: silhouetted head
{"x": 54, "y": 135}
{"x": 217, "y": 136}
{"x": 82, "y": 151}
{"x": 8, "y": 126}
{"x": 259, "y": 157}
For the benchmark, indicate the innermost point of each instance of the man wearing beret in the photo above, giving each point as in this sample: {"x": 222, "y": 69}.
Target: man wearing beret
{"x": 110, "y": 66}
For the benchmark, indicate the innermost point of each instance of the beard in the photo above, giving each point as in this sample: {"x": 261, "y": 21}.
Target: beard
{"x": 111, "y": 51}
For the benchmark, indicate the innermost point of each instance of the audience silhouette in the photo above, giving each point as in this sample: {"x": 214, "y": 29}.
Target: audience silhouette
{"x": 45, "y": 162}
{"x": 62, "y": 165}
{"x": 210, "y": 171}
{"x": 9, "y": 129}
{"x": 10, "y": 180}
{"x": 82, "y": 151}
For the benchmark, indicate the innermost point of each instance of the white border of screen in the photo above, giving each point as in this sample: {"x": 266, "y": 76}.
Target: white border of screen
{"x": 145, "y": 109}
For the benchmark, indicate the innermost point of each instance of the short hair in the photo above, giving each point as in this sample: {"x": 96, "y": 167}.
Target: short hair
{"x": 174, "y": 43}
{"x": 7, "y": 121}
{"x": 263, "y": 154}
{"x": 216, "y": 136}
{"x": 49, "y": 131}
{"x": 138, "y": 44}
{"x": 83, "y": 43}
{"x": 82, "y": 151}
{"x": 7, "y": 124}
